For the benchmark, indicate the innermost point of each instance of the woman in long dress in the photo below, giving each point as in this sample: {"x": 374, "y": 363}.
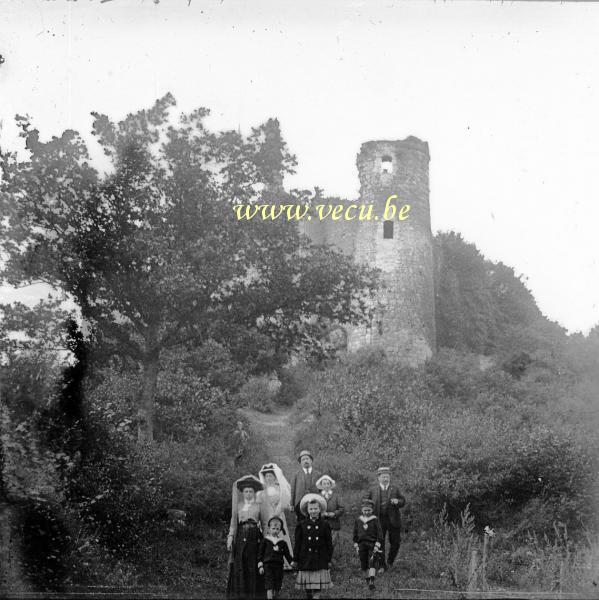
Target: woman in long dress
{"x": 275, "y": 498}
{"x": 244, "y": 540}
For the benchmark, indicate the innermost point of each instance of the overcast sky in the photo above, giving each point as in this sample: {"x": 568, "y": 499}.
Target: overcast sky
{"x": 506, "y": 94}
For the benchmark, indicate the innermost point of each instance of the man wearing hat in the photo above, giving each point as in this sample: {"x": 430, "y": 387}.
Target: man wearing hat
{"x": 387, "y": 501}
{"x": 304, "y": 481}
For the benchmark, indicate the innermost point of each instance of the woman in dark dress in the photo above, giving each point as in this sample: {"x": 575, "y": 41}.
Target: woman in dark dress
{"x": 244, "y": 540}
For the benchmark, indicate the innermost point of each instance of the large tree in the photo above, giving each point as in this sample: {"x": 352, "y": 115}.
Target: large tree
{"x": 152, "y": 251}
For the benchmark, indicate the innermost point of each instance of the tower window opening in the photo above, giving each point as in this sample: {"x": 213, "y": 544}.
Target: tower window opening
{"x": 386, "y": 164}
{"x": 387, "y": 230}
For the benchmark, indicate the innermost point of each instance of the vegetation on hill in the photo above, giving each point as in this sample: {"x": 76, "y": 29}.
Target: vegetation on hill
{"x": 152, "y": 252}
{"x": 483, "y": 306}
{"x": 498, "y": 429}
{"x": 117, "y": 448}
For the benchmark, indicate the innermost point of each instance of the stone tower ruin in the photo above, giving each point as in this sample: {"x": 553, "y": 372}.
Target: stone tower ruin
{"x": 402, "y": 250}
{"x": 404, "y": 324}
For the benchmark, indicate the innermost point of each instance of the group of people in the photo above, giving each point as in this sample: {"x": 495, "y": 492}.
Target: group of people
{"x": 259, "y": 544}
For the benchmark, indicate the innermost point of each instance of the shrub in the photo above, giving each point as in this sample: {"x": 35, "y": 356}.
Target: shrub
{"x": 258, "y": 393}
{"x": 528, "y": 478}
{"x": 45, "y": 543}
{"x": 211, "y": 361}
{"x": 455, "y": 435}
{"x": 450, "y": 546}
{"x": 295, "y": 382}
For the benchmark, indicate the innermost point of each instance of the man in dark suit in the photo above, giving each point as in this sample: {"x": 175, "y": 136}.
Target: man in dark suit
{"x": 303, "y": 482}
{"x": 387, "y": 501}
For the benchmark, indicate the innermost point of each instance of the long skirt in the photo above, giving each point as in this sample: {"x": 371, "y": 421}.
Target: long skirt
{"x": 244, "y": 580}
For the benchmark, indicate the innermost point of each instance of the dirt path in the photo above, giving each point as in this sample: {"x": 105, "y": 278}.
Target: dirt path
{"x": 278, "y": 436}
{"x": 404, "y": 581}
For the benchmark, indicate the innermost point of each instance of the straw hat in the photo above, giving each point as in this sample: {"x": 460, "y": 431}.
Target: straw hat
{"x": 311, "y": 498}
{"x": 321, "y": 479}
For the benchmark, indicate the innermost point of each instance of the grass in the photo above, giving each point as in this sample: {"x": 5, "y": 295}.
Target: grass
{"x": 191, "y": 562}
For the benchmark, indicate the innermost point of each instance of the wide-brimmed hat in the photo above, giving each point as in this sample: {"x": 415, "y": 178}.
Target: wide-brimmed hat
{"x": 383, "y": 471}
{"x": 318, "y": 484}
{"x": 249, "y": 481}
{"x": 311, "y": 498}
{"x": 304, "y": 453}
{"x": 367, "y": 502}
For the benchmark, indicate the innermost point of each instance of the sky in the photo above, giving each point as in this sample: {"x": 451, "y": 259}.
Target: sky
{"x": 506, "y": 95}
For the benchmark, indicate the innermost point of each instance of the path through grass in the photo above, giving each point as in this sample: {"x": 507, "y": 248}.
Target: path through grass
{"x": 347, "y": 577}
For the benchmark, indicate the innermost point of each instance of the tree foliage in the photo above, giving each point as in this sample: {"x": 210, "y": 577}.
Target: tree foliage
{"x": 152, "y": 252}
{"x": 483, "y": 306}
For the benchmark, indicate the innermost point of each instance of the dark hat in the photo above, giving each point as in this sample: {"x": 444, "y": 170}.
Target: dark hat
{"x": 269, "y": 468}
{"x": 304, "y": 453}
{"x": 249, "y": 481}
{"x": 275, "y": 518}
{"x": 383, "y": 470}
{"x": 367, "y": 502}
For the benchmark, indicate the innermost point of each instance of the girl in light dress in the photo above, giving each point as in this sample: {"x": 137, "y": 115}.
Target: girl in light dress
{"x": 275, "y": 498}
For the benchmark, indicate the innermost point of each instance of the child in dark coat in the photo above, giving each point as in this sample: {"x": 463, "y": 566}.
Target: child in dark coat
{"x": 368, "y": 537}
{"x": 313, "y": 549}
{"x": 273, "y": 549}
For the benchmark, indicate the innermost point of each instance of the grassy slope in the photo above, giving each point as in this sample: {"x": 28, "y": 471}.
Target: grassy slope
{"x": 346, "y": 574}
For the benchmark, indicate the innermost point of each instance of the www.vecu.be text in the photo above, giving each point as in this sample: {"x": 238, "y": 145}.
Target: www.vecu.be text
{"x": 345, "y": 211}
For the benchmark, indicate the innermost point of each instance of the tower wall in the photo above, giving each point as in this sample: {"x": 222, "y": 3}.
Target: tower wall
{"x": 405, "y": 324}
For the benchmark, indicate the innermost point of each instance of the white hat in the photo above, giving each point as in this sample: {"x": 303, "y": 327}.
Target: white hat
{"x": 319, "y": 482}
{"x": 312, "y": 498}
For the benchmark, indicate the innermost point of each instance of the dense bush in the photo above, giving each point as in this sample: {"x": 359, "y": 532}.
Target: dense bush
{"x": 456, "y": 434}
{"x": 259, "y": 393}
{"x": 525, "y": 478}
{"x": 211, "y": 361}
{"x": 90, "y": 513}
{"x": 46, "y": 545}
{"x": 295, "y": 382}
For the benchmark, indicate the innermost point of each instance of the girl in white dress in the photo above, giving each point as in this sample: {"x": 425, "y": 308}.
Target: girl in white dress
{"x": 275, "y": 498}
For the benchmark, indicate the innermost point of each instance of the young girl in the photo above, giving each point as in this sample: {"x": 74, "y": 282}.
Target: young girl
{"x": 368, "y": 537}
{"x": 313, "y": 549}
{"x": 273, "y": 549}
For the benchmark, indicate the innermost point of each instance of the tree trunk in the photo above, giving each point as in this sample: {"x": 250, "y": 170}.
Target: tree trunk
{"x": 145, "y": 426}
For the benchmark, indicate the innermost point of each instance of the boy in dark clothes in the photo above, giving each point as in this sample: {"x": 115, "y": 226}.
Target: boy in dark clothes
{"x": 273, "y": 549}
{"x": 368, "y": 537}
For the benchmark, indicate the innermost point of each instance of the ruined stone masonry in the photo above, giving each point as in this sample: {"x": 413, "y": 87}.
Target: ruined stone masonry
{"x": 404, "y": 325}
